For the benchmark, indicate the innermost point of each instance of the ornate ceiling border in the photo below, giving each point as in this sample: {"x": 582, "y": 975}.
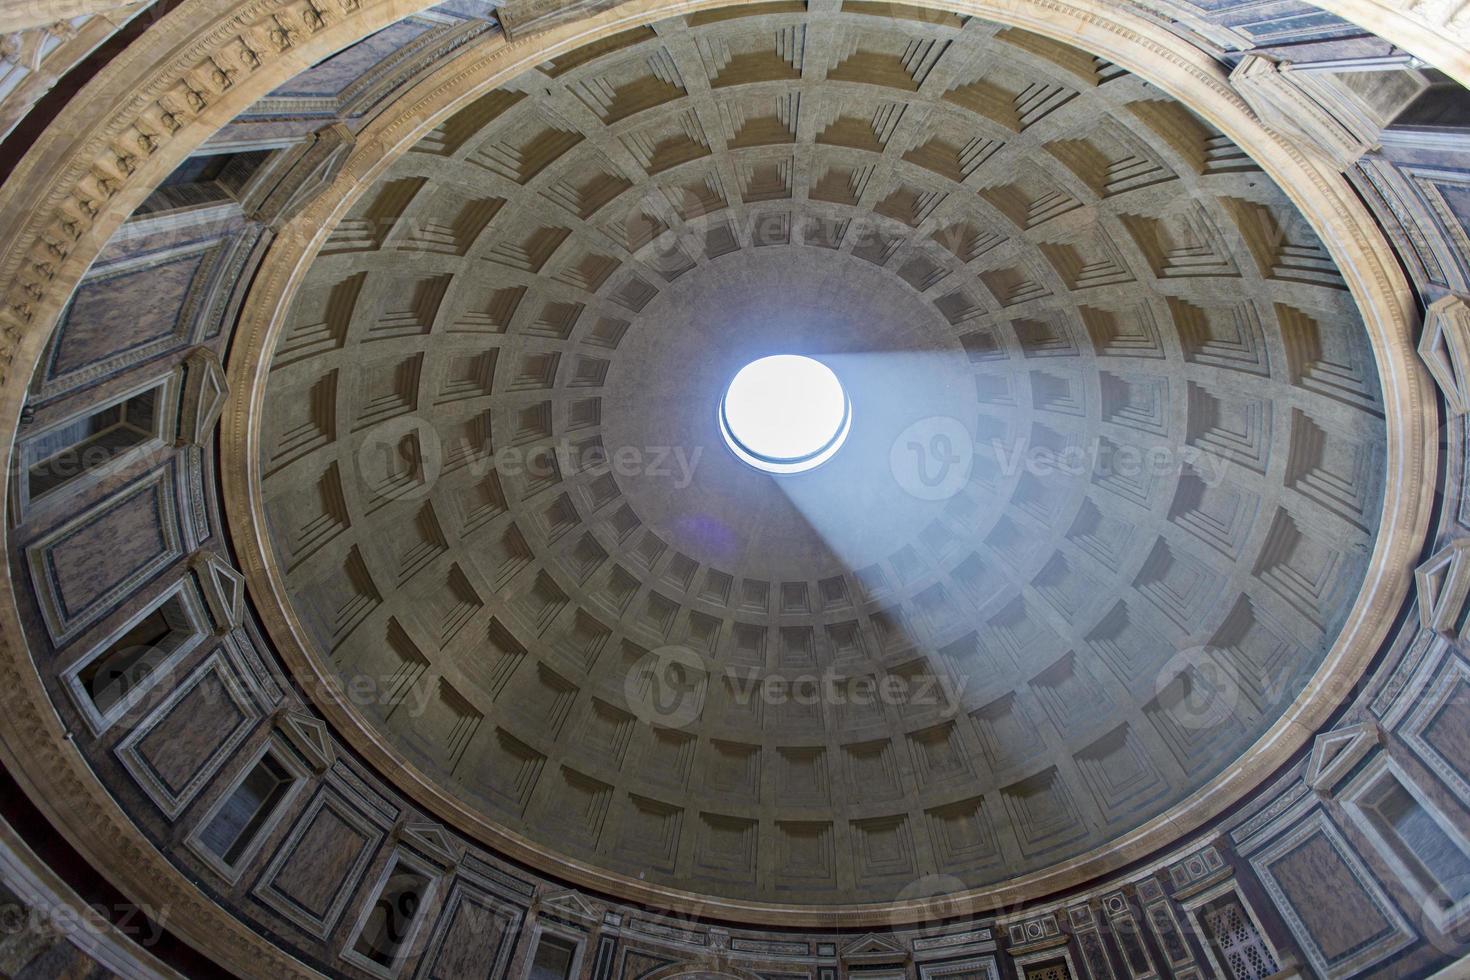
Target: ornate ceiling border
{"x": 208, "y": 60}
{"x": 141, "y": 116}
{"x": 1322, "y": 194}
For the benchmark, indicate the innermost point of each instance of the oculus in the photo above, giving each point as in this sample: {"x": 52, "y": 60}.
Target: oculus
{"x": 785, "y": 414}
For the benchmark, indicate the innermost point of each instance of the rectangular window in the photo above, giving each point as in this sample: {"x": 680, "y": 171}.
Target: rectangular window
{"x": 62, "y": 454}
{"x": 553, "y": 960}
{"x": 236, "y": 824}
{"x": 202, "y": 180}
{"x": 127, "y": 663}
{"x": 1432, "y": 854}
{"x": 386, "y": 931}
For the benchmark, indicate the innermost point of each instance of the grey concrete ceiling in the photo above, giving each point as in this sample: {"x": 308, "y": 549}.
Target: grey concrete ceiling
{"x": 970, "y": 224}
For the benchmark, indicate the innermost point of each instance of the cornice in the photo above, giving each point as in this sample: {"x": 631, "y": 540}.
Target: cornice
{"x": 43, "y": 890}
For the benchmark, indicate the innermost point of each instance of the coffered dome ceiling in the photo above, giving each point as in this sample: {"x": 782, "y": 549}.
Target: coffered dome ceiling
{"x": 496, "y": 489}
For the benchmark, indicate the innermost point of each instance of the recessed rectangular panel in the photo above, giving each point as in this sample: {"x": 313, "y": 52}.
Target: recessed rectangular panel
{"x": 174, "y": 751}
{"x": 83, "y": 568}
{"x": 313, "y": 874}
{"x": 1360, "y": 925}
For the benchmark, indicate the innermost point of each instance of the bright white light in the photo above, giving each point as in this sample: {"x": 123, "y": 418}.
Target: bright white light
{"x": 785, "y": 414}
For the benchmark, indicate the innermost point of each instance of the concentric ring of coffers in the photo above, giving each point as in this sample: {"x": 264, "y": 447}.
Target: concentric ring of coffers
{"x": 1173, "y": 431}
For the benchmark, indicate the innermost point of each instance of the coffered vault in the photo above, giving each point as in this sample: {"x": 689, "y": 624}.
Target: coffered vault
{"x": 1157, "y": 658}
{"x": 581, "y": 257}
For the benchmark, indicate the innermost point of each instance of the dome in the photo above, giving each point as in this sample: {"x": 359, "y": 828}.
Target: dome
{"x": 751, "y": 489}
{"x": 1088, "y": 538}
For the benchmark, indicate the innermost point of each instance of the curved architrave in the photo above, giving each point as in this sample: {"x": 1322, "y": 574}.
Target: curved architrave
{"x": 48, "y": 239}
{"x": 1322, "y": 195}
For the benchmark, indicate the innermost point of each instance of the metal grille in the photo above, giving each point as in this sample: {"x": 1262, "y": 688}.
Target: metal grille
{"x": 1048, "y": 971}
{"x": 1241, "y": 947}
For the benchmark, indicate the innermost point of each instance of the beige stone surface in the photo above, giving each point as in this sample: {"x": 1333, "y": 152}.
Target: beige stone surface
{"x": 25, "y": 14}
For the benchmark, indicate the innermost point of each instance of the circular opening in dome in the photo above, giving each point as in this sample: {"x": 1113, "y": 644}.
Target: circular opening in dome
{"x": 785, "y": 414}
